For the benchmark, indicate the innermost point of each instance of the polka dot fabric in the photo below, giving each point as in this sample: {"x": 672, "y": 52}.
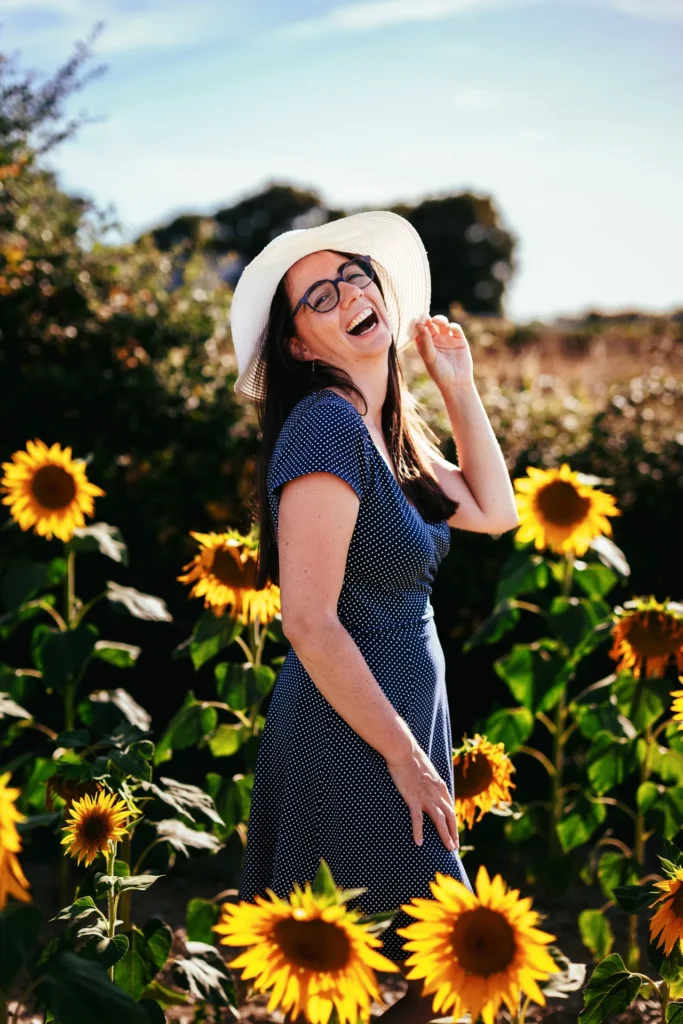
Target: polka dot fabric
{"x": 320, "y": 790}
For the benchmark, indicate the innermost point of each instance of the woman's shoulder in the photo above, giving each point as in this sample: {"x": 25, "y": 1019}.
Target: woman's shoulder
{"x": 322, "y": 409}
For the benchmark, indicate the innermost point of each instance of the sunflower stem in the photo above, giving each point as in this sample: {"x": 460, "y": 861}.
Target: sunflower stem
{"x": 112, "y": 900}
{"x": 663, "y": 993}
{"x": 633, "y": 952}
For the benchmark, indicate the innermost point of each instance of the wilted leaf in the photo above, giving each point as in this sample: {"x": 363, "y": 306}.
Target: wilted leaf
{"x": 102, "y": 537}
{"x": 180, "y": 836}
{"x": 142, "y": 606}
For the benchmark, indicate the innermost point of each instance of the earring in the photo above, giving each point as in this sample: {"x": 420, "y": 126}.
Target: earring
{"x": 313, "y": 367}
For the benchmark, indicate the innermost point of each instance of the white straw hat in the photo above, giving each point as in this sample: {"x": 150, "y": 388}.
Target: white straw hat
{"x": 388, "y": 238}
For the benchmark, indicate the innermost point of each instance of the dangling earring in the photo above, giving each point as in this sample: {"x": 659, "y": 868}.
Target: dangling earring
{"x": 313, "y": 367}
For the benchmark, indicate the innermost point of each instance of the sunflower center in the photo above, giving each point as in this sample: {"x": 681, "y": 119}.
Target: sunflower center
{"x": 314, "y": 945}
{"x": 483, "y": 941}
{"x": 53, "y": 487}
{"x": 653, "y": 633}
{"x": 561, "y": 504}
{"x": 472, "y": 775}
{"x": 95, "y": 828}
{"x": 228, "y": 569}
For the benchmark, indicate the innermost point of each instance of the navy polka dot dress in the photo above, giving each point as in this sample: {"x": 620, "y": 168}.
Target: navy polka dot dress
{"x": 320, "y": 790}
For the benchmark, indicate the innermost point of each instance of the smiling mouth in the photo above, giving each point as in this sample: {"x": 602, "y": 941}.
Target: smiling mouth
{"x": 365, "y": 326}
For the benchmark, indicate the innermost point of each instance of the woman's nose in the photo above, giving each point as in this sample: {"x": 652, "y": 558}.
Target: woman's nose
{"x": 348, "y": 292}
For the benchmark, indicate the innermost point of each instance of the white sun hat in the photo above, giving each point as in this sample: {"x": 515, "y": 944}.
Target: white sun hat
{"x": 402, "y": 268}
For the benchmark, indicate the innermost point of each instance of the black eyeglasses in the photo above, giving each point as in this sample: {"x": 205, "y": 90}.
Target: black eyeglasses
{"x": 323, "y": 296}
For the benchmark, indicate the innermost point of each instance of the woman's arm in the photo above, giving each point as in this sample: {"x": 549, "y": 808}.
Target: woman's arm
{"x": 481, "y": 483}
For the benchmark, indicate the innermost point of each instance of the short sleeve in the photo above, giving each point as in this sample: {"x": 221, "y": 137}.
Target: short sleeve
{"x": 327, "y": 437}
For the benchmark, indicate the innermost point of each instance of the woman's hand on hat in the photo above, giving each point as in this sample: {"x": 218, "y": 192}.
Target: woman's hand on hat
{"x": 445, "y": 351}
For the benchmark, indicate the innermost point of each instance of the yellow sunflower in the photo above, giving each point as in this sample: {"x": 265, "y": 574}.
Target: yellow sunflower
{"x": 667, "y": 922}
{"x": 481, "y": 778}
{"x": 94, "y": 823}
{"x": 310, "y": 950}
{"x": 48, "y": 490}
{"x": 224, "y": 573}
{"x": 12, "y": 879}
{"x": 677, "y": 705}
{"x": 647, "y": 634}
{"x": 559, "y": 510}
{"x": 476, "y": 951}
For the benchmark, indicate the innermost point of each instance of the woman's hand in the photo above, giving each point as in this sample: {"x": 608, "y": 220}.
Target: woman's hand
{"x": 445, "y": 351}
{"x": 423, "y": 789}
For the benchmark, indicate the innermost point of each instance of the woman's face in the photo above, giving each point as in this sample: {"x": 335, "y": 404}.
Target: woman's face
{"x": 324, "y": 335}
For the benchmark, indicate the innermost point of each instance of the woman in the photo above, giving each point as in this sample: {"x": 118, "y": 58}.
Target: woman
{"x": 355, "y": 503}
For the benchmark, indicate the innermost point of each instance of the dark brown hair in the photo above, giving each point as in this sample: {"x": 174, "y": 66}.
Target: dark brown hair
{"x": 286, "y": 380}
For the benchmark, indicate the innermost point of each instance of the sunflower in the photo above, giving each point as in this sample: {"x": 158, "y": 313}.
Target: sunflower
{"x": 476, "y": 951}
{"x": 560, "y": 510}
{"x": 311, "y": 950}
{"x": 677, "y": 705}
{"x": 225, "y": 574}
{"x": 647, "y": 634}
{"x": 481, "y": 778}
{"x": 667, "y": 922}
{"x": 94, "y": 823}
{"x": 48, "y": 490}
{"x": 12, "y": 879}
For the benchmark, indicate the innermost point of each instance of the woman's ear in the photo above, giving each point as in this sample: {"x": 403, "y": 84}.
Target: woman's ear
{"x": 296, "y": 348}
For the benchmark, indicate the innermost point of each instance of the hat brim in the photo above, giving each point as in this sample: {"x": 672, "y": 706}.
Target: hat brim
{"x": 388, "y": 238}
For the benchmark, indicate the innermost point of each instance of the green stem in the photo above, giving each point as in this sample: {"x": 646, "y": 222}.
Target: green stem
{"x": 559, "y": 738}
{"x": 70, "y": 585}
{"x": 126, "y": 898}
{"x": 112, "y": 902}
{"x": 159, "y": 839}
{"x": 663, "y": 993}
{"x": 78, "y": 618}
{"x": 633, "y": 950}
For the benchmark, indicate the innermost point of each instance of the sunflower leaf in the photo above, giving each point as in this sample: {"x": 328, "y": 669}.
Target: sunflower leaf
{"x": 184, "y": 798}
{"x": 611, "y": 989}
{"x": 105, "y": 950}
{"x": 142, "y": 606}
{"x": 80, "y": 909}
{"x": 524, "y": 572}
{"x": 10, "y": 707}
{"x": 502, "y": 619}
{"x": 610, "y": 555}
{"x": 102, "y": 537}
{"x": 117, "y": 654}
{"x": 180, "y": 836}
{"x": 596, "y": 932}
{"x": 78, "y": 990}
{"x": 204, "y": 974}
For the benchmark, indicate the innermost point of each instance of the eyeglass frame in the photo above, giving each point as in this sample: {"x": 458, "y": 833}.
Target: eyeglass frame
{"x": 303, "y": 301}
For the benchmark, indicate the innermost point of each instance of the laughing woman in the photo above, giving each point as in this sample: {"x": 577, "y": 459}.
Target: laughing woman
{"x": 355, "y": 504}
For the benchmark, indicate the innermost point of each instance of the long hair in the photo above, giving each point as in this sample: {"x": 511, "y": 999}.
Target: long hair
{"x": 286, "y": 380}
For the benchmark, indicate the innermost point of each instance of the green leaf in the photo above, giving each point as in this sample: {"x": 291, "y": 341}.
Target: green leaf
{"x": 191, "y": 725}
{"x": 610, "y": 555}
{"x": 164, "y": 995}
{"x": 200, "y": 917}
{"x": 580, "y": 823}
{"x": 101, "y": 537}
{"x": 141, "y": 606}
{"x": 610, "y": 759}
{"x": 573, "y": 619}
{"x": 26, "y": 579}
{"x": 502, "y": 619}
{"x": 184, "y": 798}
{"x": 594, "y": 578}
{"x": 610, "y": 990}
{"x": 641, "y": 700}
{"x": 19, "y": 927}
{"x": 635, "y": 899}
{"x": 72, "y": 738}
{"x": 204, "y": 973}
{"x": 666, "y": 813}
{"x": 120, "y": 883}
{"x": 674, "y": 1013}
{"x": 511, "y": 726}
{"x": 78, "y": 991}
{"x": 62, "y": 654}
{"x": 131, "y": 765}
{"x": 667, "y": 764}
{"x": 323, "y": 883}
{"x": 180, "y": 836}
{"x": 594, "y": 717}
{"x": 117, "y": 654}
{"x": 596, "y": 932}
{"x": 241, "y": 686}
{"x": 11, "y": 708}
{"x": 524, "y": 572}
{"x": 104, "y": 950}
{"x": 615, "y": 869}
{"x": 233, "y": 799}
{"x": 159, "y": 937}
{"x": 533, "y": 674}
{"x": 81, "y": 908}
{"x": 138, "y": 967}
{"x": 228, "y": 739}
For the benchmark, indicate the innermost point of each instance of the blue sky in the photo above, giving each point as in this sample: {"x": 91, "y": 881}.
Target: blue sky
{"x": 567, "y": 112}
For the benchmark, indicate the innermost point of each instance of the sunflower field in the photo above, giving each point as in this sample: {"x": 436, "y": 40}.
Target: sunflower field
{"x": 126, "y": 546}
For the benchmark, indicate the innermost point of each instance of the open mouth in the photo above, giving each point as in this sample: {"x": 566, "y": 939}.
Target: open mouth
{"x": 366, "y": 325}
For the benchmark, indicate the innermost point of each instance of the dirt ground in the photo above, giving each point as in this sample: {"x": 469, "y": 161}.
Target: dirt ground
{"x": 168, "y": 899}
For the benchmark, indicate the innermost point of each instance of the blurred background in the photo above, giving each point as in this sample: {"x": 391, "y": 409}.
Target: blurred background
{"x": 148, "y": 151}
